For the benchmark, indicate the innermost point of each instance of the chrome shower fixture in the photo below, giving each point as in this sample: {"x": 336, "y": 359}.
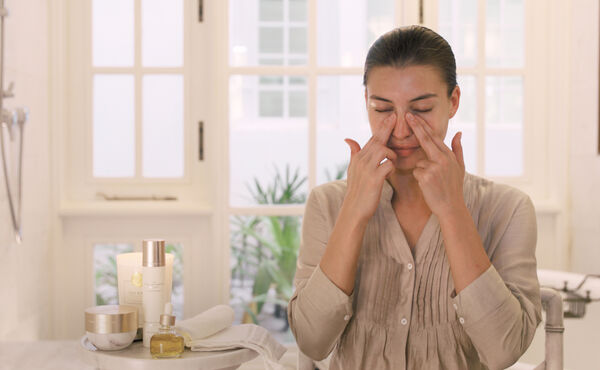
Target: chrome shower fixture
{"x": 13, "y": 122}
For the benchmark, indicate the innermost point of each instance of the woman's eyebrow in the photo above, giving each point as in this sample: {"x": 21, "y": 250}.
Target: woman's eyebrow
{"x": 424, "y": 96}
{"x": 380, "y": 98}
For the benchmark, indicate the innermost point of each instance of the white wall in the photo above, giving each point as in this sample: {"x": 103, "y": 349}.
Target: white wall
{"x": 25, "y": 270}
{"x": 581, "y": 336}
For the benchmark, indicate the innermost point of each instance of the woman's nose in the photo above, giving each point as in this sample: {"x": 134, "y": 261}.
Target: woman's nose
{"x": 401, "y": 129}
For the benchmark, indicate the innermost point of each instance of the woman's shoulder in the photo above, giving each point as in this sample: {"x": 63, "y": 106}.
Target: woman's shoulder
{"x": 328, "y": 196}
{"x": 484, "y": 193}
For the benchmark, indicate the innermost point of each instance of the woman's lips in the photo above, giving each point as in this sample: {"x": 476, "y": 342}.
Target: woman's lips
{"x": 405, "y": 151}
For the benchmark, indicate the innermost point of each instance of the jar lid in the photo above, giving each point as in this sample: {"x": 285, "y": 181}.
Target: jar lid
{"x": 111, "y": 319}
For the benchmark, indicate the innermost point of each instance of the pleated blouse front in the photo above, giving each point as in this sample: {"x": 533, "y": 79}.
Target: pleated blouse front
{"x": 403, "y": 312}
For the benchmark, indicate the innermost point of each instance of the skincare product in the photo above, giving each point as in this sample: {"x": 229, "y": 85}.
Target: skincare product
{"x": 130, "y": 277}
{"x": 153, "y": 286}
{"x": 167, "y": 343}
{"x": 111, "y": 327}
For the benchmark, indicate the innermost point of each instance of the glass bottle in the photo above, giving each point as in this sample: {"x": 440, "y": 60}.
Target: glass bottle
{"x": 167, "y": 343}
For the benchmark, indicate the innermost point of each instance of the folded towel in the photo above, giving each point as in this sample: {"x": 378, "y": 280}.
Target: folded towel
{"x": 205, "y": 324}
{"x": 212, "y": 331}
{"x": 245, "y": 336}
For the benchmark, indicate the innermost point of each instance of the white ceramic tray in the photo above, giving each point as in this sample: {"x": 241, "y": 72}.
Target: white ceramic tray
{"x": 138, "y": 357}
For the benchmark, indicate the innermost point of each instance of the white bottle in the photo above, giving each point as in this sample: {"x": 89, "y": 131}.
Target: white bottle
{"x": 153, "y": 290}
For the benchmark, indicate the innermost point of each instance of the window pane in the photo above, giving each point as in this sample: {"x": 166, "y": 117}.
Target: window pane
{"x": 105, "y": 271}
{"x": 346, "y": 29}
{"x": 465, "y": 120}
{"x": 162, "y": 33}
{"x": 505, "y": 33}
{"x": 114, "y": 128}
{"x": 298, "y": 10}
{"x": 340, "y": 114}
{"x": 297, "y": 43}
{"x": 270, "y": 10}
{"x": 162, "y": 126}
{"x": 458, "y": 25}
{"x": 271, "y": 40}
{"x": 268, "y": 32}
{"x": 263, "y": 146}
{"x": 504, "y": 126}
{"x": 112, "y": 33}
{"x": 263, "y": 263}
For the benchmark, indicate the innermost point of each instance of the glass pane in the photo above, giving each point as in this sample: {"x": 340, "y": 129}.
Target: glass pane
{"x": 465, "y": 120}
{"x": 270, "y": 40}
{"x": 505, "y": 33}
{"x": 114, "y": 128}
{"x": 263, "y": 263}
{"x": 162, "y": 114}
{"x": 112, "y": 33}
{"x": 176, "y": 249}
{"x": 162, "y": 33}
{"x": 268, "y": 142}
{"x": 458, "y": 25}
{"x": 341, "y": 114}
{"x": 504, "y": 126}
{"x": 105, "y": 271}
{"x": 268, "y": 32}
{"x": 298, "y": 10}
{"x": 297, "y": 43}
{"x": 270, "y": 10}
{"x": 346, "y": 29}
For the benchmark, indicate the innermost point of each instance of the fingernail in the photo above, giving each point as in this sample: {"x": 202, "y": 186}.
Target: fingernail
{"x": 410, "y": 117}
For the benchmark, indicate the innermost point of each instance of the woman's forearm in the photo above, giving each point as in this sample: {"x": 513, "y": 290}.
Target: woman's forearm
{"x": 339, "y": 262}
{"x": 464, "y": 249}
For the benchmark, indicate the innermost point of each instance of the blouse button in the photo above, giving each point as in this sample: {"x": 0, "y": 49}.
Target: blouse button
{"x": 462, "y": 321}
{"x": 347, "y": 317}
{"x": 409, "y": 266}
{"x": 403, "y": 321}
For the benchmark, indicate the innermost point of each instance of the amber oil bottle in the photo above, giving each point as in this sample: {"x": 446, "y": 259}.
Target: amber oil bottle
{"x": 167, "y": 343}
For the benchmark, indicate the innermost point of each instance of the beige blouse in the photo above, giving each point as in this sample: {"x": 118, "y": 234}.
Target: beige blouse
{"x": 403, "y": 312}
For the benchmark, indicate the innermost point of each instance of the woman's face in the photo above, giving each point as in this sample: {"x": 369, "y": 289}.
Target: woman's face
{"x": 419, "y": 90}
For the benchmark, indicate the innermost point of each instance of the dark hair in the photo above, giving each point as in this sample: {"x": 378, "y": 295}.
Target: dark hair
{"x": 410, "y": 46}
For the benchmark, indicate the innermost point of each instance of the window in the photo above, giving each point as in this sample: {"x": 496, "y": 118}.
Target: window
{"x": 488, "y": 39}
{"x": 138, "y": 92}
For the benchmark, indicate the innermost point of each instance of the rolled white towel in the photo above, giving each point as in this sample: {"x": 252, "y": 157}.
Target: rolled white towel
{"x": 205, "y": 324}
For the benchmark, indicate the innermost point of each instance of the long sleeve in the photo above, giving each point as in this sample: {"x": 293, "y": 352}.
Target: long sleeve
{"x": 501, "y": 309}
{"x": 318, "y": 311}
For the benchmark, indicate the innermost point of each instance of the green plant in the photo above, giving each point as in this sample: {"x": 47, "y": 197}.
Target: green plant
{"x": 265, "y": 248}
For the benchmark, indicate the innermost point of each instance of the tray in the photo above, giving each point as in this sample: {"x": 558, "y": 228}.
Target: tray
{"x": 138, "y": 357}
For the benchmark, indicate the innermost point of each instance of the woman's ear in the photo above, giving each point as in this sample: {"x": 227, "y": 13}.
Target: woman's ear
{"x": 454, "y": 101}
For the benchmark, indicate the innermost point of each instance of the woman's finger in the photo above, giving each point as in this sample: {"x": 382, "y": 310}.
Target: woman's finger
{"x": 354, "y": 147}
{"x": 423, "y": 163}
{"x": 439, "y": 142}
{"x": 425, "y": 140}
{"x": 385, "y": 169}
{"x": 457, "y": 149}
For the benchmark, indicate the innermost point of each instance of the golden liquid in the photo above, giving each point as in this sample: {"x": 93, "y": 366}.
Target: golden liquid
{"x": 166, "y": 345}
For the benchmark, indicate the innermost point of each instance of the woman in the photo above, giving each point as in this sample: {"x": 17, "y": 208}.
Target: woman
{"x": 413, "y": 263}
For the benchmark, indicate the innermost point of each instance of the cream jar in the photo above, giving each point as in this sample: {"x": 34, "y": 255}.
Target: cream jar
{"x": 111, "y": 327}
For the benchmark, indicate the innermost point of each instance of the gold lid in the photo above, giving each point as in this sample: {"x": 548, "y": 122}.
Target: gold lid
{"x": 153, "y": 253}
{"x": 111, "y": 319}
{"x": 167, "y": 320}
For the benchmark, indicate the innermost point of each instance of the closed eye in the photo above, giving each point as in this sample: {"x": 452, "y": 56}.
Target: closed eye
{"x": 383, "y": 110}
{"x": 423, "y": 110}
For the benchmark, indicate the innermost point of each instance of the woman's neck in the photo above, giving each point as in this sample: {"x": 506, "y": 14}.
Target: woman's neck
{"x": 407, "y": 192}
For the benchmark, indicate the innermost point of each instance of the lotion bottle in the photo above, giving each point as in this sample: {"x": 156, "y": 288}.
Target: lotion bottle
{"x": 153, "y": 286}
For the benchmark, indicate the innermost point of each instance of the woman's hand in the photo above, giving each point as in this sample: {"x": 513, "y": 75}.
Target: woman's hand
{"x": 441, "y": 175}
{"x": 366, "y": 172}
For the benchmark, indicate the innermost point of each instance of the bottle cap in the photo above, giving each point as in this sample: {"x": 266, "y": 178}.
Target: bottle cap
{"x": 153, "y": 253}
{"x": 167, "y": 319}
